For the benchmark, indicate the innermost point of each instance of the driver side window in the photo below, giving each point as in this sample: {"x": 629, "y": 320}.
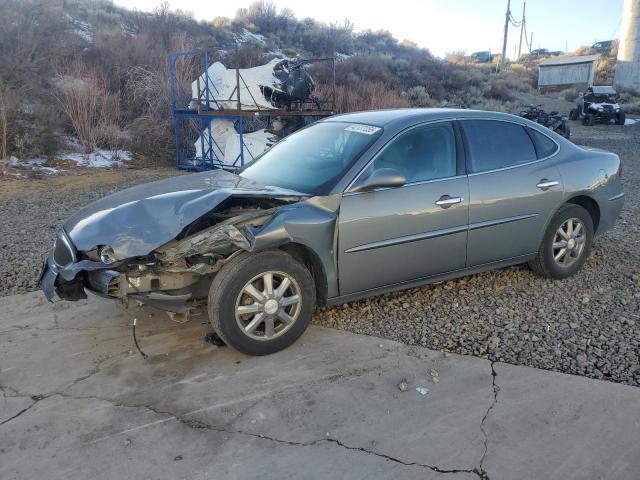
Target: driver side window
{"x": 427, "y": 152}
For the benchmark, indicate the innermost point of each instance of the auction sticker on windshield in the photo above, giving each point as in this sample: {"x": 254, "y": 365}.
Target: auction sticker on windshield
{"x": 366, "y": 129}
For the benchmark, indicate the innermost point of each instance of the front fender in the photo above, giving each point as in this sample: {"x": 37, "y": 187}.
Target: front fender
{"x": 311, "y": 223}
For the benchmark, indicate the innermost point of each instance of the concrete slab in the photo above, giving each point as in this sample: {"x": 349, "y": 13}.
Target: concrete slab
{"x": 79, "y": 402}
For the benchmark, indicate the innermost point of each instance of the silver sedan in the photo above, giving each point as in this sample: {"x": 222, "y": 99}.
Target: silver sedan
{"x": 352, "y": 206}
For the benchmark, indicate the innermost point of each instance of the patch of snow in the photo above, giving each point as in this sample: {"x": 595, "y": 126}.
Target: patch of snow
{"x": 99, "y": 159}
{"x": 632, "y": 121}
{"x": 247, "y": 36}
{"x": 82, "y": 28}
{"x": 33, "y": 164}
{"x": 342, "y": 56}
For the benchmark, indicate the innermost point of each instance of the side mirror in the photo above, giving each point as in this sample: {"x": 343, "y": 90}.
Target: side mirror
{"x": 382, "y": 178}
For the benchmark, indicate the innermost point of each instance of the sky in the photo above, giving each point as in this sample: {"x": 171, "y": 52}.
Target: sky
{"x": 443, "y": 25}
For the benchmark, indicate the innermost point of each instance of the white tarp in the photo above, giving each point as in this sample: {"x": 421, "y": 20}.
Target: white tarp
{"x": 226, "y": 143}
{"x": 222, "y": 85}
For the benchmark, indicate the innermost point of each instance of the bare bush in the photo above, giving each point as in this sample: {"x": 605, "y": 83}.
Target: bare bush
{"x": 4, "y": 127}
{"x": 456, "y": 58}
{"x": 419, "y": 97}
{"x": 363, "y": 96}
{"x": 10, "y": 100}
{"x": 499, "y": 90}
{"x": 148, "y": 92}
{"x": 87, "y": 103}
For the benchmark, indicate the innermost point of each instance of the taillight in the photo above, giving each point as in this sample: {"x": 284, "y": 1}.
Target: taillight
{"x": 619, "y": 168}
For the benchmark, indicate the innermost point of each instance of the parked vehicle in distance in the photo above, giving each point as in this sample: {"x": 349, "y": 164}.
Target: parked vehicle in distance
{"x": 539, "y": 53}
{"x": 552, "y": 120}
{"x": 598, "y": 104}
{"x": 603, "y": 47}
{"x": 352, "y": 206}
{"x": 481, "y": 57}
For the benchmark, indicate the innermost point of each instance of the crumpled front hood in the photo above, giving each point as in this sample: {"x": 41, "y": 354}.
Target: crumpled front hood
{"x": 137, "y": 220}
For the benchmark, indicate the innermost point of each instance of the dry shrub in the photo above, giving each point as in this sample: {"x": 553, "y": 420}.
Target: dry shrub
{"x": 456, "y": 58}
{"x": 90, "y": 108}
{"x": 148, "y": 91}
{"x": 499, "y": 90}
{"x": 363, "y": 96}
{"x": 419, "y": 97}
{"x": 630, "y": 101}
{"x": 11, "y": 129}
{"x": 520, "y": 78}
{"x": 605, "y": 69}
{"x": 4, "y": 124}
{"x": 569, "y": 94}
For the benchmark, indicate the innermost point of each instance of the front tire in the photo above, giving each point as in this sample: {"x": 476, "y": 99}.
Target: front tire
{"x": 620, "y": 118}
{"x": 566, "y": 243}
{"x": 261, "y": 303}
{"x": 589, "y": 119}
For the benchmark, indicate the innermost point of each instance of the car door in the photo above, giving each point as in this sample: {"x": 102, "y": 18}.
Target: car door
{"x": 387, "y": 236}
{"x": 514, "y": 188}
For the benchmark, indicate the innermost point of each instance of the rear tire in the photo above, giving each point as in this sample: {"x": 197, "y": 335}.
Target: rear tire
{"x": 248, "y": 310}
{"x": 552, "y": 261}
{"x": 589, "y": 119}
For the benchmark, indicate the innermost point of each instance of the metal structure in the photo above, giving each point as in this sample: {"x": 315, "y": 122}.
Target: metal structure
{"x": 628, "y": 65}
{"x": 193, "y": 117}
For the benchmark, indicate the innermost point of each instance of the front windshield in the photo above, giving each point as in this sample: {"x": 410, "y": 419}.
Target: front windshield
{"x": 313, "y": 159}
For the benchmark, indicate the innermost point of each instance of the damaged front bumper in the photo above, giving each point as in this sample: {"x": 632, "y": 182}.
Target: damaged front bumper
{"x": 166, "y": 281}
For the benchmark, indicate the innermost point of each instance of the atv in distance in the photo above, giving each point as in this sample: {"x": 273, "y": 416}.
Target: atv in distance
{"x": 553, "y": 121}
{"x": 598, "y": 104}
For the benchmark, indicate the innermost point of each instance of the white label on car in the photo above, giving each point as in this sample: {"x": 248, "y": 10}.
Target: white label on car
{"x": 366, "y": 129}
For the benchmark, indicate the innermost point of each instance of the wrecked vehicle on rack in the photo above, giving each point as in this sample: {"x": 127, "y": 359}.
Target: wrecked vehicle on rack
{"x": 352, "y": 206}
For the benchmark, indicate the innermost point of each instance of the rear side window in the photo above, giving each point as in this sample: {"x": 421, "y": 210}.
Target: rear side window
{"x": 544, "y": 145}
{"x": 494, "y": 144}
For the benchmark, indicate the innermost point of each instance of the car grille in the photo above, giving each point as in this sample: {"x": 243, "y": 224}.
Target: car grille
{"x": 63, "y": 252}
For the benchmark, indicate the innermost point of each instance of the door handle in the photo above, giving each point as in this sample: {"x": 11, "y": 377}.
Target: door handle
{"x": 446, "y": 201}
{"x": 545, "y": 184}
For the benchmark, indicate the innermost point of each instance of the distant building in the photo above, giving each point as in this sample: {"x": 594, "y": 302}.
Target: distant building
{"x": 567, "y": 70}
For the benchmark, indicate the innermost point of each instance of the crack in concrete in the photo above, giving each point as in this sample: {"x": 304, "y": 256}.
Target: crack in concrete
{"x": 196, "y": 424}
{"x": 496, "y": 389}
{"x": 24, "y": 410}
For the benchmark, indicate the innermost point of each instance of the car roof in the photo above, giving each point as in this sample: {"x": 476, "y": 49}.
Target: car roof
{"x": 403, "y": 117}
{"x": 603, "y": 89}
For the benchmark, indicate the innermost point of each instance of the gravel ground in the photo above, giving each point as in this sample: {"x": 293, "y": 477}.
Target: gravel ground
{"x": 34, "y": 208}
{"x": 586, "y": 325}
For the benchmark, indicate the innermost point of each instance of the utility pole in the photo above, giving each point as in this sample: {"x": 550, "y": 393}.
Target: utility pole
{"x": 524, "y": 6}
{"x": 504, "y": 41}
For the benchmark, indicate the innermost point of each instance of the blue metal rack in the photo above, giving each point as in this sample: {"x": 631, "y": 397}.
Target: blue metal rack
{"x": 189, "y": 123}
{"x": 192, "y": 117}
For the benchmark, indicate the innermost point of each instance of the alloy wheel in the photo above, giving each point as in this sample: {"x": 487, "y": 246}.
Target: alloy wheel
{"x": 569, "y": 242}
{"x": 268, "y": 305}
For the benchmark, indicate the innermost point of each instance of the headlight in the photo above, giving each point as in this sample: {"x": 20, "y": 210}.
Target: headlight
{"x": 107, "y": 255}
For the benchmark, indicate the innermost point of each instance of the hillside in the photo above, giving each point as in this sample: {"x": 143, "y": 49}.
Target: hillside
{"x": 87, "y": 75}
